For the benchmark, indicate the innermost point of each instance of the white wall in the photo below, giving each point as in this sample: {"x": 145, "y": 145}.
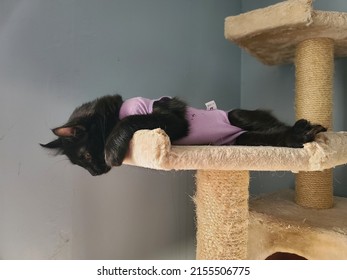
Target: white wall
{"x": 55, "y": 55}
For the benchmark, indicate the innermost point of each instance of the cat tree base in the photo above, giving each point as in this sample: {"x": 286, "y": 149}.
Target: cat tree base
{"x": 277, "y": 224}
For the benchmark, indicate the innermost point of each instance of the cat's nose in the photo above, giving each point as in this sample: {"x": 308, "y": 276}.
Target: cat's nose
{"x": 99, "y": 171}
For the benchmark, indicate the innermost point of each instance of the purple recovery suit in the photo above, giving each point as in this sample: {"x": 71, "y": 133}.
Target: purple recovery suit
{"x": 206, "y": 127}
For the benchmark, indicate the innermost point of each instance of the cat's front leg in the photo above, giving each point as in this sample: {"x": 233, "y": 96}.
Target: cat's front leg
{"x": 117, "y": 143}
{"x": 116, "y": 146}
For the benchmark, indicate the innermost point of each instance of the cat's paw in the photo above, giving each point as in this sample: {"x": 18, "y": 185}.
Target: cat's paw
{"x": 303, "y": 132}
{"x": 113, "y": 159}
{"x": 114, "y": 153}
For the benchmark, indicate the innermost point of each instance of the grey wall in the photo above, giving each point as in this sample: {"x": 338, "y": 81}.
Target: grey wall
{"x": 273, "y": 88}
{"x": 54, "y": 55}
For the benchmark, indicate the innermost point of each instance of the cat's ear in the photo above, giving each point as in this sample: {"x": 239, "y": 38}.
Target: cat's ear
{"x": 68, "y": 131}
{"x": 55, "y": 144}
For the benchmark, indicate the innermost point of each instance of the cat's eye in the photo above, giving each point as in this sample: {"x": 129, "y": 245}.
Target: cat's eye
{"x": 87, "y": 156}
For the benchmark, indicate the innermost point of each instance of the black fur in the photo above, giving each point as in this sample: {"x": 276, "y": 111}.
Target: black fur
{"x": 95, "y": 139}
{"x": 168, "y": 114}
{"x": 263, "y": 129}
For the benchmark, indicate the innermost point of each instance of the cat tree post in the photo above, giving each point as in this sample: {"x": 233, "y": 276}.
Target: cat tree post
{"x": 314, "y": 64}
{"x": 222, "y": 214}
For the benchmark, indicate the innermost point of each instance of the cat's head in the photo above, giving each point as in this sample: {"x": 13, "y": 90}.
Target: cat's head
{"x": 82, "y": 139}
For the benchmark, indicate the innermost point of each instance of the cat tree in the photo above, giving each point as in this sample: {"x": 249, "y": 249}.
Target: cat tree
{"x": 227, "y": 227}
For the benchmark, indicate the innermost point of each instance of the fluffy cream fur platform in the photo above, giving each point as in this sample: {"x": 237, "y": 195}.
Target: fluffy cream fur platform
{"x": 272, "y": 34}
{"x": 152, "y": 149}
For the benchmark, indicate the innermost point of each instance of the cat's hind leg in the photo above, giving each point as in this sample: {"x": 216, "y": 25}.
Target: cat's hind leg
{"x": 255, "y": 120}
{"x": 295, "y": 137}
{"x": 302, "y": 132}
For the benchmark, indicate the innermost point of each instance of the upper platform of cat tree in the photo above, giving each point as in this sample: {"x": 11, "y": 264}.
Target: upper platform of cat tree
{"x": 152, "y": 149}
{"x": 271, "y": 34}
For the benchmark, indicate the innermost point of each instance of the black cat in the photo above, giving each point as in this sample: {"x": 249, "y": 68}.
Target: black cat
{"x": 98, "y": 133}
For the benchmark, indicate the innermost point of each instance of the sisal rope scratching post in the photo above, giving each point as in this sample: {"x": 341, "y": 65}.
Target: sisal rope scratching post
{"x": 314, "y": 63}
{"x": 222, "y": 214}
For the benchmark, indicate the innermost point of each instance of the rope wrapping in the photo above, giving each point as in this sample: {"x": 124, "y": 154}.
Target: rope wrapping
{"x": 314, "y": 65}
{"x": 222, "y": 214}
